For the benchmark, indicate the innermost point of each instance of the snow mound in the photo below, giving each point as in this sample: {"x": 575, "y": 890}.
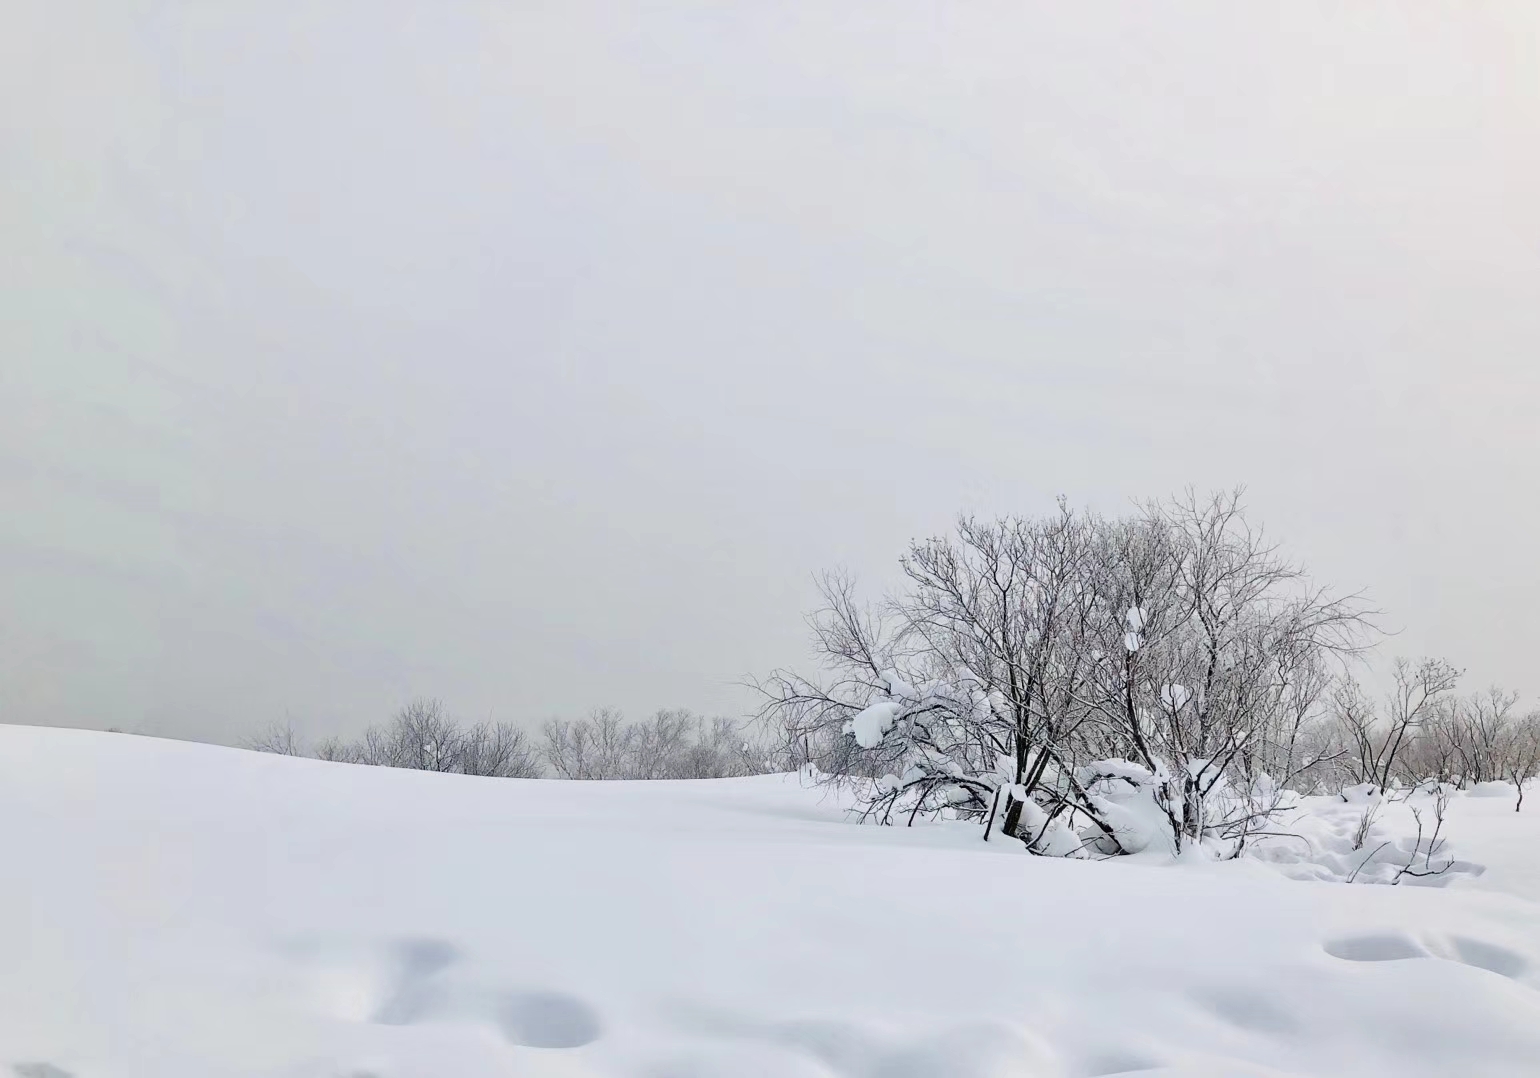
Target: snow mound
{"x": 1330, "y": 840}
{"x": 1493, "y": 789}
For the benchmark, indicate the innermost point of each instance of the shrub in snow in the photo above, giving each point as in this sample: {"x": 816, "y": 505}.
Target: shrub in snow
{"x": 1378, "y": 840}
{"x": 1079, "y": 684}
{"x": 1361, "y": 793}
{"x": 1129, "y": 798}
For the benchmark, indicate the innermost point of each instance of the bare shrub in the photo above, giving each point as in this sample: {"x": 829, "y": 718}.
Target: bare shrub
{"x": 278, "y": 738}
{"x": 1366, "y": 823}
{"x": 1071, "y": 679}
{"x": 1430, "y": 847}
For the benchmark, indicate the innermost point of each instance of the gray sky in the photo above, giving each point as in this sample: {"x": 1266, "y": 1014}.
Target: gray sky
{"x": 535, "y": 355}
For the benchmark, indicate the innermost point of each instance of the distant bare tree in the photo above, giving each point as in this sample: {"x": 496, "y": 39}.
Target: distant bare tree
{"x": 1485, "y": 724}
{"x": 1378, "y": 739}
{"x": 377, "y": 748}
{"x": 653, "y": 748}
{"x": 672, "y": 744}
{"x": 498, "y": 749}
{"x": 337, "y": 750}
{"x": 722, "y": 748}
{"x": 278, "y": 738}
{"x": 421, "y": 737}
{"x": 1522, "y": 756}
{"x": 591, "y": 748}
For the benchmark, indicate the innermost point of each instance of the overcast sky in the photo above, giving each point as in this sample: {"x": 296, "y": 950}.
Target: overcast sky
{"x": 536, "y": 355}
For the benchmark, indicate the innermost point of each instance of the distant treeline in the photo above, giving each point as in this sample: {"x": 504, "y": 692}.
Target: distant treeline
{"x": 423, "y": 736}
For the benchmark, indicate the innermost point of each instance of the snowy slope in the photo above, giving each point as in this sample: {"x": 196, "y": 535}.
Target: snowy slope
{"x": 170, "y": 910}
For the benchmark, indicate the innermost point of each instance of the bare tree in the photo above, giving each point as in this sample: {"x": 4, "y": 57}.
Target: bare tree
{"x": 1522, "y": 755}
{"x": 421, "y": 737}
{"x": 498, "y": 749}
{"x": 1435, "y": 752}
{"x": 655, "y": 747}
{"x": 963, "y": 690}
{"x": 724, "y": 748}
{"x": 278, "y": 738}
{"x": 1228, "y": 657}
{"x": 1484, "y": 727}
{"x": 336, "y": 750}
{"x": 590, "y": 748}
{"x": 1377, "y": 740}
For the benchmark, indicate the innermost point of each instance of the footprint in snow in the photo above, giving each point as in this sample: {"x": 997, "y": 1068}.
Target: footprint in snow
{"x": 413, "y": 981}
{"x": 1117, "y": 1064}
{"x": 415, "y": 963}
{"x": 1396, "y": 946}
{"x": 1482, "y": 955}
{"x": 547, "y": 1020}
{"x": 1380, "y": 947}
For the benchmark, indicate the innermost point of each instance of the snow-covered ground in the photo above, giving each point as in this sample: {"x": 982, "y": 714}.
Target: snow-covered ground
{"x": 171, "y": 910}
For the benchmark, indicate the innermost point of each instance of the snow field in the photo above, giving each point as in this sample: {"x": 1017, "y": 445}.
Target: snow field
{"x": 182, "y": 911}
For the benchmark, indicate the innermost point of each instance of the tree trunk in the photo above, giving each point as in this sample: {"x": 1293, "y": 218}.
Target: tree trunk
{"x": 1012, "y": 816}
{"x": 1192, "y": 809}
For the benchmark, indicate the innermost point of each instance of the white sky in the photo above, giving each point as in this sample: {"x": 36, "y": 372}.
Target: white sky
{"x": 535, "y": 355}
